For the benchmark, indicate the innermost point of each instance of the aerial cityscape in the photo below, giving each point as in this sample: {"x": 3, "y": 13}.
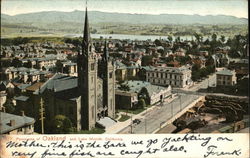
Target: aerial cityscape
{"x": 94, "y": 70}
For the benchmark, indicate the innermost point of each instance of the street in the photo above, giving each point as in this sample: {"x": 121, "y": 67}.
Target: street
{"x": 153, "y": 119}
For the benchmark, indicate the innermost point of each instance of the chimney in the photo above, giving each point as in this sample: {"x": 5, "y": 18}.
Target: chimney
{"x": 12, "y": 123}
{"x": 22, "y": 113}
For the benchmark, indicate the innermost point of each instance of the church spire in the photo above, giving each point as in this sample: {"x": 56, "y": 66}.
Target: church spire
{"x": 105, "y": 52}
{"x": 86, "y": 33}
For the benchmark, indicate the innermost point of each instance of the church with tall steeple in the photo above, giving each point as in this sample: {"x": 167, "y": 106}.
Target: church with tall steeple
{"x": 87, "y": 100}
{"x": 96, "y": 82}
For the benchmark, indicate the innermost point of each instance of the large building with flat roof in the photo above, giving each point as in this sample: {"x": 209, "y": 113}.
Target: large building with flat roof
{"x": 175, "y": 76}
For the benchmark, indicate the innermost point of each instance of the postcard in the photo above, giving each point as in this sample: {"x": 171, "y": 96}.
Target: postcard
{"x": 127, "y": 78}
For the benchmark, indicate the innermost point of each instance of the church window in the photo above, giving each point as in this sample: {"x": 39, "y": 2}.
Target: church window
{"x": 93, "y": 113}
{"x": 92, "y": 66}
{"x": 111, "y": 104}
{"x": 110, "y": 75}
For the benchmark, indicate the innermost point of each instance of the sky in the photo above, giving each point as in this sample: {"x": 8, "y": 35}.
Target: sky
{"x": 238, "y": 8}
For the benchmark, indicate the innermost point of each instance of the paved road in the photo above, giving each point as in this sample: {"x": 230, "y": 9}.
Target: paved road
{"x": 153, "y": 119}
{"x": 211, "y": 81}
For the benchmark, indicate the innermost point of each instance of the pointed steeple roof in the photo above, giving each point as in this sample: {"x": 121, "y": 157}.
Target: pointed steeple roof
{"x": 86, "y": 33}
{"x": 105, "y": 52}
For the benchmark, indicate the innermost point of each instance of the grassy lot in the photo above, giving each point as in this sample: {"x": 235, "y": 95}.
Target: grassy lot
{"x": 93, "y": 131}
{"x": 124, "y": 118}
{"x": 134, "y": 111}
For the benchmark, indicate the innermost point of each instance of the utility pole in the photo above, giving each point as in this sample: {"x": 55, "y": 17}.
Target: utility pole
{"x": 146, "y": 121}
{"x": 41, "y": 111}
{"x": 131, "y": 124}
{"x": 180, "y": 102}
{"x": 172, "y": 110}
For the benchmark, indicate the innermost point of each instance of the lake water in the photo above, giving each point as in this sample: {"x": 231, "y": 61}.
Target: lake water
{"x": 133, "y": 37}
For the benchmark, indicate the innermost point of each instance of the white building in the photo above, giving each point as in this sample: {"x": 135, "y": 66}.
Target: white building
{"x": 174, "y": 76}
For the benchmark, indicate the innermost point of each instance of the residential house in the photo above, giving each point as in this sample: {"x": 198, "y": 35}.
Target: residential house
{"x": 14, "y": 124}
{"x": 226, "y": 78}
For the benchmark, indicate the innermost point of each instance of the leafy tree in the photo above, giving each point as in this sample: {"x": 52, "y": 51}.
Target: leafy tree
{"x": 9, "y": 106}
{"x": 178, "y": 39}
{"x": 28, "y": 64}
{"x": 141, "y": 104}
{"x": 68, "y": 40}
{"x": 222, "y": 39}
{"x": 16, "y": 62}
{"x": 143, "y": 94}
{"x": 196, "y": 67}
{"x": 195, "y": 75}
{"x": 61, "y": 125}
{"x": 206, "y": 42}
{"x": 124, "y": 87}
{"x": 155, "y": 55}
{"x": 20, "y": 40}
{"x": 59, "y": 66}
{"x": 214, "y": 37}
{"x": 170, "y": 38}
{"x": 147, "y": 60}
{"x": 158, "y": 42}
{"x": 183, "y": 59}
{"x": 169, "y": 58}
{"x": 198, "y": 37}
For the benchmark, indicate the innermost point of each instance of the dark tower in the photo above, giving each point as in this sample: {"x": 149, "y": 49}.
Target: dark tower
{"x": 87, "y": 79}
{"x": 107, "y": 73}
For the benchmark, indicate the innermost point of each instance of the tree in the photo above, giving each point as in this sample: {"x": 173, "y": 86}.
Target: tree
{"x": 61, "y": 125}
{"x": 124, "y": 87}
{"x": 59, "y": 66}
{"x": 214, "y": 37}
{"x": 28, "y": 64}
{"x": 141, "y": 104}
{"x": 178, "y": 39}
{"x": 196, "y": 67}
{"x": 169, "y": 58}
{"x": 222, "y": 39}
{"x": 170, "y": 38}
{"x": 155, "y": 55}
{"x": 183, "y": 59}
{"x": 195, "y": 75}
{"x": 9, "y": 106}
{"x": 16, "y": 62}
{"x": 198, "y": 37}
{"x": 158, "y": 42}
{"x": 143, "y": 94}
{"x": 147, "y": 60}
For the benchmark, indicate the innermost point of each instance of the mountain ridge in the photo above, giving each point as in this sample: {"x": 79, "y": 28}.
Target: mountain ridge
{"x": 77, "y": 16}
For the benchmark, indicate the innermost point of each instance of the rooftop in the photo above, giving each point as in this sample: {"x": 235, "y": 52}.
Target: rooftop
{"x": 225, "y": 72}
{"x": 20, "y": 121}
{"x": 21, "y": 98}
{"x": 136, "y": 86}
{"x": 35, "y": 86}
